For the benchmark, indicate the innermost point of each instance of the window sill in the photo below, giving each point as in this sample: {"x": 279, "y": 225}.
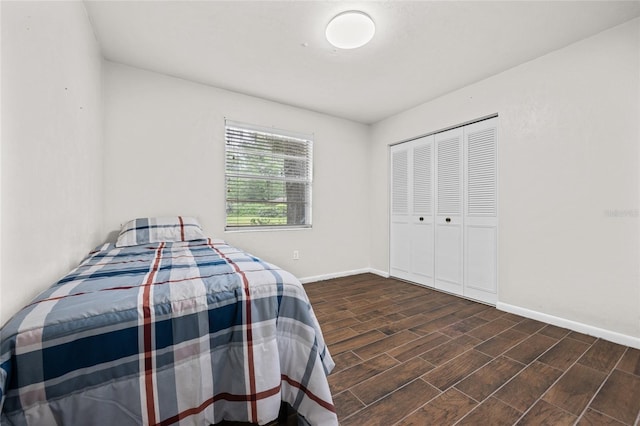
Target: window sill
{"x": 268, "y": 229}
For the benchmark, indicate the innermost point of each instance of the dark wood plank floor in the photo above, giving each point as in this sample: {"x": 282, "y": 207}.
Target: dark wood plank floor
{"x": 409, "y": 355}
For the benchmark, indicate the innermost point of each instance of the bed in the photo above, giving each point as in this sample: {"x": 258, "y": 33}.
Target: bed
{"x": 165, "y": 327}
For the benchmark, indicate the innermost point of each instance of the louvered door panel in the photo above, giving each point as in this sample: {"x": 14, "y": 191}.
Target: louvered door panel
{"x": 481, "y": 173}
{"x": 422, "y": 224}
{"x": 400, "y": 245}
{"x": 448, "y": 220}
{"x": 422, "y": 181}
{"x": 400, "y": 182}
{"x": 480, "y": 221}
{"x": 449, "y": 181}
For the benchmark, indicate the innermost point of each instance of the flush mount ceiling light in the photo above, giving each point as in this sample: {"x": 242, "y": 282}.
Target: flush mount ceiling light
{"x": 350, "y": 30}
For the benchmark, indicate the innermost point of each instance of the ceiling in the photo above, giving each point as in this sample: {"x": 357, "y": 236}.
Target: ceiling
{"x": 277, "y": 50}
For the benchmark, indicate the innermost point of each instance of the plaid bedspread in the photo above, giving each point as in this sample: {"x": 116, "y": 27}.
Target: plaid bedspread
{"x": 186, "y": 333}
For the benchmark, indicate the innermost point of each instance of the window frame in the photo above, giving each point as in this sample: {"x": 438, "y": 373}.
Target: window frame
{"x": 281, "y": 135}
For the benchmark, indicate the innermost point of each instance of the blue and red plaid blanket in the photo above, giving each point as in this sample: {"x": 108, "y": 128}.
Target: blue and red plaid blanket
{"x": 186, "y": 333}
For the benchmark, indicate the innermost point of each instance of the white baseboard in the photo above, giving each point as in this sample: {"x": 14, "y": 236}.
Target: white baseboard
{"x": 612, "y": 336}
{"x": 343, "y": 274}
{"x": 379, "y": 272}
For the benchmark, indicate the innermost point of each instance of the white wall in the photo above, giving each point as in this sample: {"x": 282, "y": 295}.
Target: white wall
{"x": 568, "y": 164}
{"x": 51, "y": 146}
{"x": 164, "y": 155}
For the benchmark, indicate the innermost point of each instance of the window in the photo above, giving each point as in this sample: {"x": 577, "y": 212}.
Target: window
{"x": 268, "y": 177}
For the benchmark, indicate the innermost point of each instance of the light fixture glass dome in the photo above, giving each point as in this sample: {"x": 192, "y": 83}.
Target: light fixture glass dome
{"x": 350, "y": 30}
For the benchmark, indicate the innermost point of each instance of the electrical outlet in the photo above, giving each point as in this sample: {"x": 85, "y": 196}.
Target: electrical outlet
{"x": 296, "y": 255}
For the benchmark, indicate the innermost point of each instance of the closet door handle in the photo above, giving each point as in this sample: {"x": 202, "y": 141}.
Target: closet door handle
{"x": 421, "y": 219}
{"x": 448, "y": 220}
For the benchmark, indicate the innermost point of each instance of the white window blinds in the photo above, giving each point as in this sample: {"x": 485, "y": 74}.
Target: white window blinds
{"x": 268, "y": 177}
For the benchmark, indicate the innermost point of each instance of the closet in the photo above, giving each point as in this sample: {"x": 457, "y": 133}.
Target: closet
{"x": 443, "y": 213}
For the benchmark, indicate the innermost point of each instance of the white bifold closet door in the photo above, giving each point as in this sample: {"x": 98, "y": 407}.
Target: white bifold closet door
{"x": 399, "y": 241}
{"x": 481, "y": 211}
{"x": 412, "y": 211}
{"x": 449, "y": 239}
{"x": 443, "y": 231}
